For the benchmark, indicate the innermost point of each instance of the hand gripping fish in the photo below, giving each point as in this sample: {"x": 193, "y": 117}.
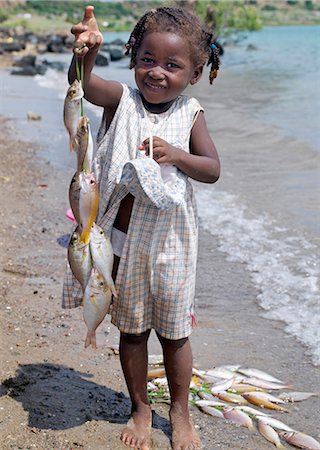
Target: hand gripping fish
{"x": 79, "y": 259}
{"x": 96, "y": 304}
{"x": 84, "y": 146}
{"x": 102, "y": 255}
{"x": 72, "y": 111}
{"x": 88, "y": 203}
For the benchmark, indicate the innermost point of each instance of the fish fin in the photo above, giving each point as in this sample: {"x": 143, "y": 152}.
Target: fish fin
{"x": 74, "y": 144}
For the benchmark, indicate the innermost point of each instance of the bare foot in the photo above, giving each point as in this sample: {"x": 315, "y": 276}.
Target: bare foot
{"x": 184, "y": 436}
{"x": 137, "y": 432}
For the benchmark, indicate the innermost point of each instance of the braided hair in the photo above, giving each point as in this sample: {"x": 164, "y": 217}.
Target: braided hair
{"x": 184, "y": 23}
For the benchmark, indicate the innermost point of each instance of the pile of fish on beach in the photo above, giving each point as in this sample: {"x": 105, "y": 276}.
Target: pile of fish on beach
{"x": 90, "y": 253}
{"x": 240, "y": 395}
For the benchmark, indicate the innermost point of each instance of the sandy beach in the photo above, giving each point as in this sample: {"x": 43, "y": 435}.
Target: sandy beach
{"x": 57, "y": 395}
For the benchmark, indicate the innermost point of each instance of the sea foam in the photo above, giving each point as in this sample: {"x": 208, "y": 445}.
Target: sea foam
{"x": 283, "y": 268}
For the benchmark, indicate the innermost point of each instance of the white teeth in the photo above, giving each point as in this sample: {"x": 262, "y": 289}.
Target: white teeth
{"x": 154, "y": 86}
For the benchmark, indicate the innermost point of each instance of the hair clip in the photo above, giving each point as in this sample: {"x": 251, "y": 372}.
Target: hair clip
{"x": 213, "y": 46}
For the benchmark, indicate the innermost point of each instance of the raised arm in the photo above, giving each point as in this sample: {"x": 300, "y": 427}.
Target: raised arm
{"x": 88, "y": 39}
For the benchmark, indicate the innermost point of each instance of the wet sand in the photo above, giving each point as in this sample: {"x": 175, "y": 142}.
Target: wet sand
{"x": 55, "y": 394}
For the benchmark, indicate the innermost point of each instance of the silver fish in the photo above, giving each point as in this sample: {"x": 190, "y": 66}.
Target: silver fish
{"x": 269, "y": 433}
{"x": 74, "y": 196}
{"x": 79, "y": 259}
{"x": 211, "y": 411}
{"x": 300, "y": 440}
{"x": 274, "y": 423}
{"x": 256, "y": 373}
{"x": 264, "y": 384}
{"x": 251, "y": 411}
{"x": 209, "y": 403}
{"x": 102, "y": 255}
{"x": 222, "y": 386}
{"x": 84, "y": 145}
{"x": 220, "y": 372}
{"x": 72, "y": 111}
{"x": 96, "y": 304}
{"x": 155, "y": 360}
{"x": 296, "y": 396}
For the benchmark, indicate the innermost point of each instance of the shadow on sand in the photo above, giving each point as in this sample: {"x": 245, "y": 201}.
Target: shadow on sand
{"x": 58, "y": 397}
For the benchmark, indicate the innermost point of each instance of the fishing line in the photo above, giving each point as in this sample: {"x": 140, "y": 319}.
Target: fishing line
{"x": 80, "y": 76}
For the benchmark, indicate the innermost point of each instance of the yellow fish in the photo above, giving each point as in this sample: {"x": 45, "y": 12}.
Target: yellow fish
{"x": 88, "y": 203}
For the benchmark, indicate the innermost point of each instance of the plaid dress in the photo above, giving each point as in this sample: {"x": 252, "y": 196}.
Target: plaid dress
{"x": 156, "y": 275}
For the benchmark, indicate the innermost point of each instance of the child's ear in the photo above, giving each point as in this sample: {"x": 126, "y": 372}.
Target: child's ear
{"x": 196, "y": 74}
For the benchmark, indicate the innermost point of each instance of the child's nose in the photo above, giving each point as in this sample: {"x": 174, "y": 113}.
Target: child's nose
{"x": 156, "y": 73}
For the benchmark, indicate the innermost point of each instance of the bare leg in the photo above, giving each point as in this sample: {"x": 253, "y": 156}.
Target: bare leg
{"x": 178, "y": 364}
{"x": 134, "y": 361}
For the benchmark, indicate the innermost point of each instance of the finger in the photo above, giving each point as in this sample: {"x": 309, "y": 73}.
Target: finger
{"x": 78, "y": 29}
{"x": 88, "y": 12}
{"x": 92, "y": 40}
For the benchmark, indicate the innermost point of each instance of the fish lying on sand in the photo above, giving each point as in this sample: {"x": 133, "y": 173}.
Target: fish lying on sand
{"x": 72, "y": 111}
{"x": 300, "y": 440}
{"x": 256, "y": 373}
{"x": 79, "y": 259}
{"x": 156, "y": 373}
{"x": 237, "y": 416}
{"x": 265, "y": 384}
{"x": 84, "y": 146}
{"x": 102, "y": 255}
{"x": 274, "y": 423}
{"x": 88, "y": 204}
{"x": 231, "y": 398}
{"x": 96, "y": 304}
{"x": 264, "y": 400}
{"x": 296, "y": 396}
{"x": 212, "y": 411}
{"x": 269, "y": 433}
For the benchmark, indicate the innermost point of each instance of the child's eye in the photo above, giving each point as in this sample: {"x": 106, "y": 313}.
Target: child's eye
{"x": 173, "y": 66}
{"x": 147, "y": 60}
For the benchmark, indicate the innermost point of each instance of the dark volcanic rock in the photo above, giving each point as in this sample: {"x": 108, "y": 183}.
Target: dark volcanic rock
{"x": 102, "y": 59}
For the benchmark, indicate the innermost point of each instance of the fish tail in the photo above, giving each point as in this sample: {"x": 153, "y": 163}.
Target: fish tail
{"x": 113, "y": 290}
{"x": 91, "y": 340}
{"x": 85, "y": 235}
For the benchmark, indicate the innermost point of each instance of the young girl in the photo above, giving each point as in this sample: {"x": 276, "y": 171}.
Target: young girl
{"x": 150, "y": 141}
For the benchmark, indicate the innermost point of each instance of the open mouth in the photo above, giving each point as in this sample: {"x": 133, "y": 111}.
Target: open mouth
{"x": 153, "y": 86}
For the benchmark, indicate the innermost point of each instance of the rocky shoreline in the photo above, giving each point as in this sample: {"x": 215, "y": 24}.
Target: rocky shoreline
{"x": 23, "y": 51}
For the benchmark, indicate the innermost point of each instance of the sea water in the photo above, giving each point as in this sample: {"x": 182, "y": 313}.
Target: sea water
{"x": 270, "y": 219}
{"x": 276, "y": 237}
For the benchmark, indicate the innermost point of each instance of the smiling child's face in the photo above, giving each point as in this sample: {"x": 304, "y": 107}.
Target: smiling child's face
{"x": 164, "y": 67}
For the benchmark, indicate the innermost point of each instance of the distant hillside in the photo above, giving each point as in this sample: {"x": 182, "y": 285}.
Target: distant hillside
{"x": 48, "y": 16}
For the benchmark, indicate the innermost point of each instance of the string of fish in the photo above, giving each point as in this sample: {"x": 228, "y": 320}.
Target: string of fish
{"x": 90, "y": 253}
